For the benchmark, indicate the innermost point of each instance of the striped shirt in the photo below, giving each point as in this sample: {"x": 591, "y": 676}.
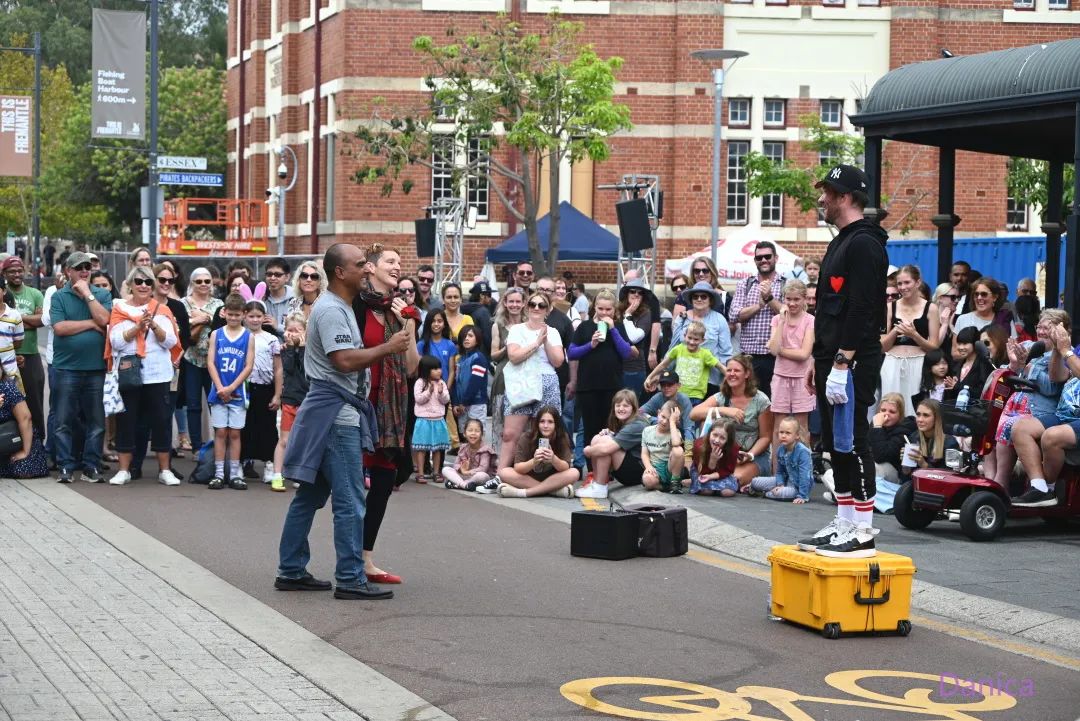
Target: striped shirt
{"x": 11, "y": 332}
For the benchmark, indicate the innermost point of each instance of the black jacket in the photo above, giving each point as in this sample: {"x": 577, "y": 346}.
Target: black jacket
{"x": 851, "y": 292}
{"x": 887, "y": 443}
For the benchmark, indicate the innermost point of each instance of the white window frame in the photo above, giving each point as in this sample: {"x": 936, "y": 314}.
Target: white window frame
{"x": 869, "y": 3}
{"x": 744, "y": 116}
{"x": 1023, "y": 4}
{"x": 772, "y": 205}
{"x": 475, "y": 187}
{"x": 833, "y": 3}
{"x": 765, "y": 113}
{"x": 839, "y": 106}
{"x": 737, "y": 197}
{"x": 1057, "y": 5}
{"x": 1012, "y": 208}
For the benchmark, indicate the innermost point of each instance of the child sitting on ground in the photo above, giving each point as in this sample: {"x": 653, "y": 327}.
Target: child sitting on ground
{"x": 475, "y": 464}
{"x": 794, "y": 467}
{"x": 715, "y": 457}
{"x": 662, "y": 451}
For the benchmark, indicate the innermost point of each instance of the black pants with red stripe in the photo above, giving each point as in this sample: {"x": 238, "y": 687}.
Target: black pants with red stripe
{"x": 852, "y": 472}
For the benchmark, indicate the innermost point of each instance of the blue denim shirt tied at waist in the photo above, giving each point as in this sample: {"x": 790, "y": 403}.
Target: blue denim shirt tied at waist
{"x": 311, "y": 430}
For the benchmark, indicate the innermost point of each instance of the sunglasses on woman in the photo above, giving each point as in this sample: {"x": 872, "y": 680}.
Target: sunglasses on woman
{"x": 141, "y": 281}
{"x": 537, "y": 305}
{"x": 678, "y": 288}
{"x": 702, "y": 271}
{"x": 892, "y": 296}
{"x": 165, "y": 280}
{"x": 309, "y": 276}
{"x": 202, "y": 281}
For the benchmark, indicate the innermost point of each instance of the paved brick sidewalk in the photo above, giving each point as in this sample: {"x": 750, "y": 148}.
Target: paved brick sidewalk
{"x": 88, "y": 634}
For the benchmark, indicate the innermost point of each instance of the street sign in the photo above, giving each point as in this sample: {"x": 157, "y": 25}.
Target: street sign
{"x": 180, "y": 162}
{"x": 118, "y": 50}
{"x": 213, "y": 179}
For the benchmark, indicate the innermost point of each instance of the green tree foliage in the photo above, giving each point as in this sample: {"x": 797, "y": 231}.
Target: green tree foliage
{"x": 543, "y": 96}
{"x": 109, "y": 176}
{"x": 59, "y": 212}
{"x": 192, "y": 32}
{"x": 1028, "y": 182}
{"x": 765, "y": 177}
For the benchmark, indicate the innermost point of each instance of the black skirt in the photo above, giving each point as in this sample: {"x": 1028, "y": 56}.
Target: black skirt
{"x": 260, "y": 434}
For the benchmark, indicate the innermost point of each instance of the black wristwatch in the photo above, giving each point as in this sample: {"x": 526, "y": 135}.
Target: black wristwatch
{"x": 841, "y": 360}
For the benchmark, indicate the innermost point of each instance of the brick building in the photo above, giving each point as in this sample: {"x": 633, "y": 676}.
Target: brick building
{"x": 804, "y": 57}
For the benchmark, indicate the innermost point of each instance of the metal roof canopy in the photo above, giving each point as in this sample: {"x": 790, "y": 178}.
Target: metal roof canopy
{"x": 1022, "y": 102}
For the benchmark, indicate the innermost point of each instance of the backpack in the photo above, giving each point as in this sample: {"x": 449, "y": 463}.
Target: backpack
{"x": 204, "y": 465}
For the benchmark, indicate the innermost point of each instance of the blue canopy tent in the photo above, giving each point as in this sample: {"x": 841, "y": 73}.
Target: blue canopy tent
{"x": 580, "y": 238}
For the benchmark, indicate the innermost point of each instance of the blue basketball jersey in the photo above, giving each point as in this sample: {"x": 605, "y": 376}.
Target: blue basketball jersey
{"x": 229, "y": 359}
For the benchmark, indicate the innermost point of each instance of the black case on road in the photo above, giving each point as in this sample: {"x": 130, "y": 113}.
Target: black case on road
{"x": 611, "y": 535}
{"x": 661, "y": 530}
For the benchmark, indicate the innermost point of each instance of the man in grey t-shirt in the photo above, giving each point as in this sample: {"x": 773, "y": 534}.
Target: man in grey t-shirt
{"x": 335, "y": 354}
{"x": 332, "y": 327}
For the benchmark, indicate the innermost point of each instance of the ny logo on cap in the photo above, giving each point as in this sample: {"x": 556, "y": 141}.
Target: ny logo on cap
{"x": 835, "y": 173}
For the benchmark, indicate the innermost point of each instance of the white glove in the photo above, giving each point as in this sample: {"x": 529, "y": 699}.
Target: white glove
{"x": 836, "y": 386}
{"x": 633, "y": 333}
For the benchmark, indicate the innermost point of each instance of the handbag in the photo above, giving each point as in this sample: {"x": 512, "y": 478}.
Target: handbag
{"x": 129, "y": 372}
{"x": 129, "y": 367}
{"x": 10, "y": 437}
{"x": 114, "y": 403}
{"x": 524, "y": 383}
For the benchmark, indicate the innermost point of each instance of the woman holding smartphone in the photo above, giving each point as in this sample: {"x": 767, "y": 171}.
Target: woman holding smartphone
{"x": 542, "y": 458}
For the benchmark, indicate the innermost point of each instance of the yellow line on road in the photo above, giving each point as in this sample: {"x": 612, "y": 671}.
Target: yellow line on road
{"x": 728, "y": 564}
{"x": 591, "y": 504}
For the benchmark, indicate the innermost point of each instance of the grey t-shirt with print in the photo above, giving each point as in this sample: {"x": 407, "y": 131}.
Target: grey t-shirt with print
{"x": 332, "y": 327}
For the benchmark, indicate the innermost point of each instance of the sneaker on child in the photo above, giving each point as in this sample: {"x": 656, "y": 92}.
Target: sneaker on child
{"x": 268, "y": 472}
{"x": 1035, "y": 498}
{"x": 168, "y": 478}
{"x": 592, "y": 490}
{"x": 120, "y": 478}
{"x": 491, "y": 486}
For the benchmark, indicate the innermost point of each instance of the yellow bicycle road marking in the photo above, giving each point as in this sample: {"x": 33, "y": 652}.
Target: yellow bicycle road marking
{"x": 704, "y": 703}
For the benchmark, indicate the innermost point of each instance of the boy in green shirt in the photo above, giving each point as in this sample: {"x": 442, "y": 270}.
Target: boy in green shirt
{"x": 692, "y": 363}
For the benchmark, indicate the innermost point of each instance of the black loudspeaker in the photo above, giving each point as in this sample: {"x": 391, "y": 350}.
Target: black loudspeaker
{"x": 612, "y": 535}
{"x": 634, "y": 225}
{"x": 425, "y": 238}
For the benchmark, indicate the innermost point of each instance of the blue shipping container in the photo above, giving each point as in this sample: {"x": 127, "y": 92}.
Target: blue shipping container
{"x": 1004, "y": 259}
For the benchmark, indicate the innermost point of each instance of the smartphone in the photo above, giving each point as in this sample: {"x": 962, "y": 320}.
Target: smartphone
{"x": 544, "y": 443}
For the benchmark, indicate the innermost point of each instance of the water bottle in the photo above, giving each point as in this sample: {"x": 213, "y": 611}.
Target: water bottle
{"x": 962, "y": 399}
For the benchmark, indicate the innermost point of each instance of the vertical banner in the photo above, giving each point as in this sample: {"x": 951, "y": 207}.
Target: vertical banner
{"x": 16, "y": 156}
{"x": 118, "y": 98}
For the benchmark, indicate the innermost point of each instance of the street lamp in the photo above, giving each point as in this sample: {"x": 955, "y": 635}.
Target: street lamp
{"x": 717, "y": 56}
{"x": 282, "y": 190}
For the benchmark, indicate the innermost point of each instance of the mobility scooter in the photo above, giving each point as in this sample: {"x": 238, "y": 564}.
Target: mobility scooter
{"x": 960, "y": 492}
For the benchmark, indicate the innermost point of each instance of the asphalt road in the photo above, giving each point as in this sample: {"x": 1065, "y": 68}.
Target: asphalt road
{"x": 495, "y": 617}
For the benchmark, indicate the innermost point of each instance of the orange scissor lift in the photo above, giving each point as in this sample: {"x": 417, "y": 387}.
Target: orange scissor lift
{"x": 214, "y": 226}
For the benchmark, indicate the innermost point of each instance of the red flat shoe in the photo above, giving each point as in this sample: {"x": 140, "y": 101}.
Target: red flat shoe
{"x": 383, "y": 578}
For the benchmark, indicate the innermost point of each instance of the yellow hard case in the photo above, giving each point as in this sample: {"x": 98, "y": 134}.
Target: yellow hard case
{"x": 842, "y": 595}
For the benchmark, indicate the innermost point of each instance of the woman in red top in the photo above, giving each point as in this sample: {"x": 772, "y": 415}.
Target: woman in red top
{"x": 380, "y": 313}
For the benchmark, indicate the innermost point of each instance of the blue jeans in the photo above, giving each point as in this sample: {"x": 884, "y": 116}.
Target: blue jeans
{"x": 75, "y": 393}
{"x": 196, "y": 388}
{"x": 635, "y": 381}
{"x": 341, "y": 479}
{"x": 576, "y": 439}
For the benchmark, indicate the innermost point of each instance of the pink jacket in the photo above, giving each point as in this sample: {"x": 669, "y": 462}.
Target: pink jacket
{"x": 428, "y": 403}
{"x": 484, "y": 458}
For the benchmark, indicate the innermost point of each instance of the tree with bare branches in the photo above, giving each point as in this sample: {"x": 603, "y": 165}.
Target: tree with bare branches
{"x": 541, "y": 96}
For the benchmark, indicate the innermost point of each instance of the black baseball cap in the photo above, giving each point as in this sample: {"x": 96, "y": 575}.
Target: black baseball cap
{"x": 845, "y": 179}
{"x": 481, "y": 288}
{"x": 668, "y": 376}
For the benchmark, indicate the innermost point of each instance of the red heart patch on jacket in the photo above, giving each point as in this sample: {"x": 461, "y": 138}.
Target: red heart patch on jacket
{"x": 837, "y": 282}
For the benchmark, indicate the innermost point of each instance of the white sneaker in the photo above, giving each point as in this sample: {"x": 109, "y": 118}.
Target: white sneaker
{"x": 167, "y": 478}
{"x": 268, "y": 472}
{"x": 593, "y": 490}
{"x": 122, "y": 478}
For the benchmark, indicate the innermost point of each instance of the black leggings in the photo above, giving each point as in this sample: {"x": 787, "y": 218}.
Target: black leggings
{"x": 148, "y": 410}
{"x": 852, "y": 472}
{"x": 594, "y": 407}
{"x": 378, "y": 496}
